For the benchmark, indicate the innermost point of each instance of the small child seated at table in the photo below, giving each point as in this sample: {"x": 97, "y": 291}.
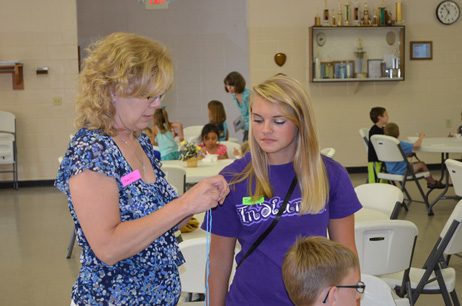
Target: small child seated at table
{"x": 392, "y": 129}
{"x": 317, "y": 271}
{"x": 210, "y": 145}
{"x": 244, "y": 149}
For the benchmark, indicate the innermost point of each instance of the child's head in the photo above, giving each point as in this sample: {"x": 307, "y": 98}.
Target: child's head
{"x": 209, "y": 135}
{"x": 379, "y": 114}
{"x": 217, "y": 112}
{"x": 316, "y": 267}
{"x": 160, "y": 119}
{"x": 245, "y": 147}
{"x": 391, "y": 129}
{"x": 148, "y": 132}
{"x": 236, "y": 81}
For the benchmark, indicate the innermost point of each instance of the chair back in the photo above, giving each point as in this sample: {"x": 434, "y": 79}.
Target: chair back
{"x": 192, "y": 131}
{"x": 6, "y": 149}
{"x": 230, "y": 146}
{"x": 387, "y": 148}
{"x": 7, "y": 122}
{"x": 329, "y": 152}
{"x": 377, "y": 292}
{"x": 364, "y": 133}
{"x": 385, "y": 246}
{"x": 386, "y": 198}
{"x": 455, "y": 171}
{"x": 192, "y": 272}
{"x": 453, "y": 230}
{"x": 176, "y": 176}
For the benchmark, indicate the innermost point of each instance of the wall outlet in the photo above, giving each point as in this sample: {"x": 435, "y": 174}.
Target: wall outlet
{"x": 57, "y": 101}
{"x": 448, "y": 123}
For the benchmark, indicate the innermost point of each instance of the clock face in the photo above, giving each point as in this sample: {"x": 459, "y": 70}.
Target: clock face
{"x": 447, "y": 12}
{"x": 321, "y": 39}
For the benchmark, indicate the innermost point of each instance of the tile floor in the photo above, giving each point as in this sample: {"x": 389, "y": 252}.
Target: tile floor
{"x": 35, "y": 227}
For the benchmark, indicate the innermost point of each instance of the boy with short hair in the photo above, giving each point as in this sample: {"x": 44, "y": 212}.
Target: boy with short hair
{"x": 317, "y": 271}
{"x": 392, "y": 129}
{"x": 379, "y": 117}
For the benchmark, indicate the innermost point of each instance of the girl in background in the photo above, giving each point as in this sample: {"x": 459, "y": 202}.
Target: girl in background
{"x": 210, "y": 143}
{"x": 217, "y": 117}
{"x": 163, "y": 135}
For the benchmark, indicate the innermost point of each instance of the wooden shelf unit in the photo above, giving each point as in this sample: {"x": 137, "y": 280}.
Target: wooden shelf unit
{"x": 16, "y": 75}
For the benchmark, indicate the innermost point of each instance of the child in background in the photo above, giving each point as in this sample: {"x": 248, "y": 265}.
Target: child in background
{"x": 209, "y": 137}
{"x": 244, "y": 149}
{"x": 392, "y": 129}
{"x": 150, "y": 134}
{"x": 217, "y": 117}
{"x": 318, "y": 271}
{"x": 379, "y": 117}
{"x": 163, "y": 134}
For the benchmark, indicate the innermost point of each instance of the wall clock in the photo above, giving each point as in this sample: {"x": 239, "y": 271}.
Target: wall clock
{"x": 447, "y": 12}
{"x": 321, "y": 39}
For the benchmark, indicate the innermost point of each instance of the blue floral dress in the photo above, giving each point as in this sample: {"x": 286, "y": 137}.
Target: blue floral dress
{"x": 148, "y": 278}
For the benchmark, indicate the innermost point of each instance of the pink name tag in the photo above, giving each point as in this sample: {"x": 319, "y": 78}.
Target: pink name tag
{"x": 131, "y": 177}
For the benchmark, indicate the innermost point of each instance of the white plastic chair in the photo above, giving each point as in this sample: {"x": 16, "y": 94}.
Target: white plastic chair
{"x": 455, "y": 171}
{"x": 435, "y": 277}
{"x": 378, "y": 293}
{"x": 364, "y": 133}
{"x": 329, "y": 152}
{"x": 192, "y": 131}
{"x": 8, "y": 146}
{"x": 230, "y": 146}
{"x": 386, "y": 246}
{"x": 175, "y": 176}
{"x": 382, "y": 197}
{"x": 388, "y": 149}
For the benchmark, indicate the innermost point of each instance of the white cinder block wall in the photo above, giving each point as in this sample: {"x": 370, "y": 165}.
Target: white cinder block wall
{"x": 208, "y": 39}
{"x": 40, "y": 34}
{"x": 431, "y": 93}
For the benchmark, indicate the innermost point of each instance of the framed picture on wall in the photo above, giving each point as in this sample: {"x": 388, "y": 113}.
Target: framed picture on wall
{"x": 421, "y": 50}
{"x": 374, "y": 70}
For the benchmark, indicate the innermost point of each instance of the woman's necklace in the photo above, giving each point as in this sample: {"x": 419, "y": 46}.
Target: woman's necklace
{"x": 142, "y": 164}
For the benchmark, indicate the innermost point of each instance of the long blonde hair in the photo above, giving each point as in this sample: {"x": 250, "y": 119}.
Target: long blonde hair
{"x": 290, "y": 95}
{"x": 128, "y": 65}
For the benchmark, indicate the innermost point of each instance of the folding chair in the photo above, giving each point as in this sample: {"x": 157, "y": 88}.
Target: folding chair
{"x": 382, "y": 197}
{"x": 175, "y": 176}
{"x": 435, "y": 277}
{"x": 8, "y": 146}
{"x": 230, "y": 146}
{"x": 330, "y": 152}
{"x": 192, "y": 131}
{"x": 192, "y": 272}
{"x": 378, "y": 293}
{"x": 388, "y": 149}
{"x": 455, "y": 171}
{"x": 386, "y": 246}
{"x": 364, "y": 133}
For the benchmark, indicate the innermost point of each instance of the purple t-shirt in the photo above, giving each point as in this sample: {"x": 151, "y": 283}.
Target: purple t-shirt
{"x": 258, "y": 281}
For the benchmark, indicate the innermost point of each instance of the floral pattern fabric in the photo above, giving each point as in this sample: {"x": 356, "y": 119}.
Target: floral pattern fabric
{"x": 151, "y": 276}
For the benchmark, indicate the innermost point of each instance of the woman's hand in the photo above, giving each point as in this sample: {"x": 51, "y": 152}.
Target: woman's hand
{"x": 205, "y": 195}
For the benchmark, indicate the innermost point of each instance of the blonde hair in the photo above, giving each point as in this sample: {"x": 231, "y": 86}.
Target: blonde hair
{"x": 128, "y": 65}
{"x": 313, "y": 264}
{"x": 391, "y": 129}
{"x": 290, "y": 95}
